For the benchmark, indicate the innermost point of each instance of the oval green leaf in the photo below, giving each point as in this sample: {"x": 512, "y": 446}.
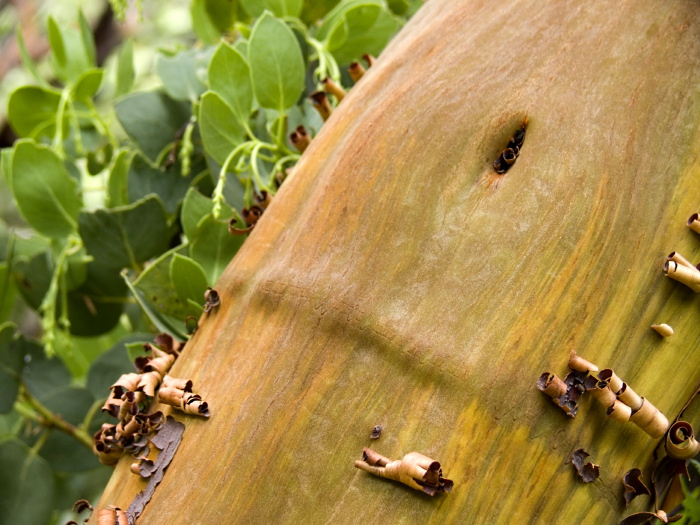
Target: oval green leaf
{"x": 188, "y": 278}
{"x": 229, "y": 77}
{"x": 31, "y": 111}
{"x": 276, "y": 64}
{"x": 221, "y": 131}
{"x": 46, "y": 194}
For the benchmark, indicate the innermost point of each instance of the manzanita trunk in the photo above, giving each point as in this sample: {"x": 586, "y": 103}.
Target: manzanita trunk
{"x": 398, "y": 280}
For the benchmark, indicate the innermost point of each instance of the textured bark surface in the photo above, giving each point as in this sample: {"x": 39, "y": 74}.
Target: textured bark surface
{"x": 394, "y": 281}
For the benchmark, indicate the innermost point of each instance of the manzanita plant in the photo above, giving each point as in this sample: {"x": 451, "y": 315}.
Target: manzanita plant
{"x": 130, "y": 197}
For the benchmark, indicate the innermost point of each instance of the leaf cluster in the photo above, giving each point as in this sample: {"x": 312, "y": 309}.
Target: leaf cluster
{"x": 127, "y": 197}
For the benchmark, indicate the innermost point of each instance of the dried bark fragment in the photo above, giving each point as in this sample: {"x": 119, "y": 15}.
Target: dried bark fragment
{"x": 112, "y": 516}
{"x": 167, "y": 441}
{"x": 211, "y": 300}
{"x": 320, "y": 101}
{"x": 356, "y": 71}
{"x": 300, "y": 137}
{"x": 588, "y": 471}
{"x": 82, "y": 504}
{"x": 681, "y": 442}
{"x": 687, "y": 276}
{"x": 105, "y": 445}
{"x": 415, "y": 470}
{"x": 568, "y": 401}
{"x": 551, "y": 385}
{"x": 512, "y": 151}
{"x": 576, "y": 362}
{"x": 178, "y": 394}
{"x": 167, "y": 343}
{"x": 641, "y": 518}
{"x": 376, "y": 432}
{"x": 634, "y": 486}
{"x": 663, "y": 475}
{"x": 694, "y": 223}
{"x": 650, "y": 419}
{"x": 144, "y": 467}
{"x": 663, "y": 329}
{"x": 331, "y": 87}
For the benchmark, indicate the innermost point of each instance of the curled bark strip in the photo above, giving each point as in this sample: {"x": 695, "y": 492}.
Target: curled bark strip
{"x": 663, "y": 330}
{"x": 144, "y": 468}
{"x": 613, "y": 380}
{"x": 322, "y": 104}
{"x": 125, "y": 383}
{"x": 263, "y": 199}
{"x": 415, "y": 470}
{"x": 332, "y": 88}
{"x": 167, "y": 441}
{"x": 641, "y": 518}
{"x": 687, "y": 276}
{"x": 580, "y": 364}
{"x": 211, "y": 300}
{"x": 634, "y": 486}
{"x": 175, "y": 382}
{"x": 694, "y": 223}
{"x": 629, "y": 397}
{"x": 650, "y": 419}
{"x": 551, "y": 385}
{"x": 619, "y": 411}
{"x": 588, "y": 471}
{"x": 234, "y": 230}
{"x": 681, "y": 442}
{"x": 167, "y": 343}
{"x": 300, "y": 139}
{"x": 663, "y": 474}
{"x": 112, "y": 516}
{"x": 81, "y": 505}
{"x": 356, "y": 71}
{"x": 512, "y": 151}
{"x": 568, "y": 401}
{"x": 678, "y": 258}
{"x": 369, "y": 59}
{"x": 149, "y": 383}
{"x": 184, "y": 400}
{"x": 106, "y": 446}
{"x": 603, "y": 394}
{"x": 376, "y": 432}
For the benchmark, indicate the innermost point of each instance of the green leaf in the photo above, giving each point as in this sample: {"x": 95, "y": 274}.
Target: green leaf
{"x": 213, "y": 246}
{"x": 11, "y": 361}
{"x": 194, "y": 208}
{"x": 162, "y": 322}
{"x": 203, "y": 25}
{"x": 71, "y": 56}
{"x": 87, "y": 38}
{"x": 117, "y": 191}
{"x": 152, "y": 120}
{"x": 125, "y": 68}
{"x": 188, "y": 278}
{"x": 181, "y": 74}
{"x": 26, "y": 486}
{"x": 398, "y": 7}
{"x": 32, "y": 277}
{"x": 276, "y": 64}
{"x": 27, "y": 61}
{"x": 365, "y": 28}
{"x": 223, "y": 14}
{"x": 126, "y": 236}
{"x": 88, "y": 84}
{"x": 157, "y": 288}
{"x": 58, "y": 47}
{"x": 7, "y": 291}
{"x": 32, "y": 110}
{"x": 169, "y": 185}
{"x": 221, "y": 131}
{"x": 280, "y": 8}
{"x": 229, "y": 77}
{"x": 95, "y": 307}
{"x": 45, "y": 192}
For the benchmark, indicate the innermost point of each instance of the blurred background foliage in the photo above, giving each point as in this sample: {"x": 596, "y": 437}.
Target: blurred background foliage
{"x": 134, "y": 134}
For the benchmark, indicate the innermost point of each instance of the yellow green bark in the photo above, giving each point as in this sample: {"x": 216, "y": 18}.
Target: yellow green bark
{"x": 396, "y": 280}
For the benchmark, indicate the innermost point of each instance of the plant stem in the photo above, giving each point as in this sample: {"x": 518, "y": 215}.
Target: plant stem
{"x": 42, "y": 415}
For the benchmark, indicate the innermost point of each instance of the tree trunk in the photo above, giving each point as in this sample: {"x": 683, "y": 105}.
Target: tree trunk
{"x": 397, "y": 280}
